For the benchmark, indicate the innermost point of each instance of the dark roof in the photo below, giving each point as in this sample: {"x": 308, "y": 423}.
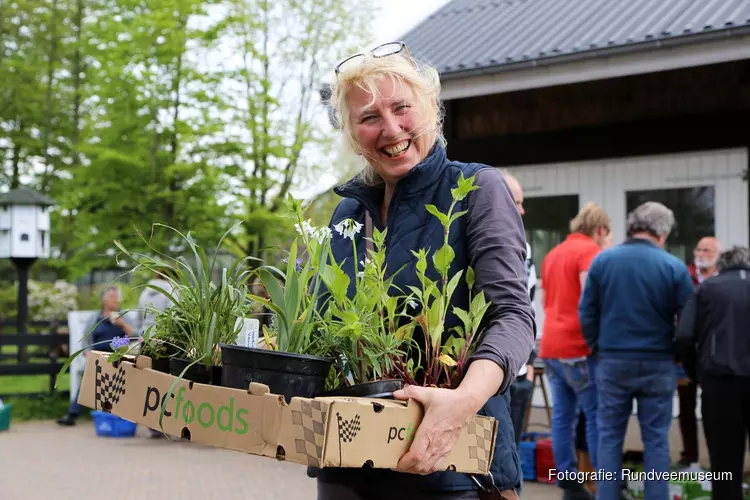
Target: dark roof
{"x": 469, "y": 35}
{"x": 25, "y": 196}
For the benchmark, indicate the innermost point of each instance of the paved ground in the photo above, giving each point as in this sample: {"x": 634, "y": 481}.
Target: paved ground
{"x": 40, "y": 461}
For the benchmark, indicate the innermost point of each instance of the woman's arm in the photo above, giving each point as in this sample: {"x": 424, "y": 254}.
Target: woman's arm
{"x": 497, "y": 247}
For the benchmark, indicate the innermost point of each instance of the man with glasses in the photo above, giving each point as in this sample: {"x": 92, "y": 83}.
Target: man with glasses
{"x": 706, "y": 256}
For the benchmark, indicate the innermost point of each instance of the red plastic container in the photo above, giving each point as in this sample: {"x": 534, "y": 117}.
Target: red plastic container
{"x": 545, "y": 461}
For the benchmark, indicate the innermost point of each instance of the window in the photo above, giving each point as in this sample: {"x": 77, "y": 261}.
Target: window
{"x": 547, "y": 223}
{"x": 693, "y": 211}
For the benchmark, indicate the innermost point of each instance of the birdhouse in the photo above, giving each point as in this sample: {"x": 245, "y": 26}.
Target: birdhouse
{"x": 24, "y": 225}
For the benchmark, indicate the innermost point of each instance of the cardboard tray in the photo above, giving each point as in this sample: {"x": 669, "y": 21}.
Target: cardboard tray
{"x": 320, "y": 432}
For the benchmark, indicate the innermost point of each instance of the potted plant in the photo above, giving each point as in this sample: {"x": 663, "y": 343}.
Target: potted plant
{"x": 367, "y": 333}
{"x": 295, "y": 361}
{"x": 446, "y": 352}
{"x": 203, "y": 314}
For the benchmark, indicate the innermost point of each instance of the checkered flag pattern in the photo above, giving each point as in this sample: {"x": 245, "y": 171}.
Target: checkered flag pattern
{"x": 108, "y": 388}
{"x": 309, "y": 424}
{"x": 348, "y": 429}
{"x": 481, "y": 430}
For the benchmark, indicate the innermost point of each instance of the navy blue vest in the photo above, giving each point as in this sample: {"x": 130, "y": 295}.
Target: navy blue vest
{"x": 411, "y": 227}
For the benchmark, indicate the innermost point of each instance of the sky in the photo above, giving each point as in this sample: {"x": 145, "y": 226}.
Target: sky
{"x": 398, "y": 16}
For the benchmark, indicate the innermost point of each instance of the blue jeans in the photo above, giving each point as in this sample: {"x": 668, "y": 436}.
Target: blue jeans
{"x": 652, "y": 385}
{"x": 520, "y": 394}
{"x": 573, "y": 386}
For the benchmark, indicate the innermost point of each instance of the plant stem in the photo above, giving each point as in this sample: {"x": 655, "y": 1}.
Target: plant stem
{"x": 360, "y": 357}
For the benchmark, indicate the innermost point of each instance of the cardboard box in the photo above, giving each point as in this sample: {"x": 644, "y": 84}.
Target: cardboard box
{"x": 321, "y": 432}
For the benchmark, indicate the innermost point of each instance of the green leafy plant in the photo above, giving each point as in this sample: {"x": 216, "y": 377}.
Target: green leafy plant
{"x": 204, "y": 312}
{"x": 367, "y": 333}
{"x": 293, "y": 293}
{"x": 445, "y": 360}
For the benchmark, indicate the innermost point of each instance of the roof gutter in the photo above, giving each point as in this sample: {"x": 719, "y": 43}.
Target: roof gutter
{"x": 676, "y": 41}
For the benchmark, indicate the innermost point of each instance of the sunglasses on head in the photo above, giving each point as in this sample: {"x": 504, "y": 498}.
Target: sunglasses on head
{"x": 385, "y": 50}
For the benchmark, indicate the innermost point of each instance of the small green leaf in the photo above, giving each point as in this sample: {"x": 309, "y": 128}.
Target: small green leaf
{"x": 421, "y": 261}
{"x": 437, "y": 213}
{"x": 457, "y": 215}
{"x": 464, "y": 317}
{"x": 453, "y": 283}
{"x": 464, "y": 187}
{"x": 447, "y": 360}
{"x": 470, "y": 279}
{"x": 443, "y": 258}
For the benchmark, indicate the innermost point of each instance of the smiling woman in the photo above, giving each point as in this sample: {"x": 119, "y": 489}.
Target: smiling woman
{"x": 388, "y": 109}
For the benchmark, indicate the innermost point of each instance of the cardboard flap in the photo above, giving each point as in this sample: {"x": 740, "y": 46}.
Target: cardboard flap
{"x": 303, "y": 431}
{"x": 371, "y": 433}
{"x": 391, "y": 403}
{"x": 227, "y": 418}
{"x": 257, "y": 389}
{"x": 143, "y": 362}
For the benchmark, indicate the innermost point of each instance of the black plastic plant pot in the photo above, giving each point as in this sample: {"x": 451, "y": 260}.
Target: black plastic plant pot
{"x": 288, "y": 374}
{"x": 198, "y": 373}
{"x": 382, "y": 389}
{"x": 160, "y": 365}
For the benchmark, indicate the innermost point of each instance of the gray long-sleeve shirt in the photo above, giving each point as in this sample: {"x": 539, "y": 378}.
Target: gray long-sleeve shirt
{"x": 497, "y": 251}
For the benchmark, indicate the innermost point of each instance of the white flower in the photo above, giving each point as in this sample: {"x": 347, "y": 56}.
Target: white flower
{"x": 412, "y": 304}
{"x": 322, "y": 233}
{"x": 364, "y": 263}
{"x": 361, "y": 274}
{"x": 348, "y": 228}
{"x": 307, "y": 229}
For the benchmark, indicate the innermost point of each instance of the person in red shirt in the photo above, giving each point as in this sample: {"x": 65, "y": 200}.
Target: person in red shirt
{"x": 569, "y": 366}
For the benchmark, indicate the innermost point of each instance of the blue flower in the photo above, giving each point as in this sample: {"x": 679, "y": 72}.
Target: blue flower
{"x": 119, "y": 342}
{"x": 299, "y": 263}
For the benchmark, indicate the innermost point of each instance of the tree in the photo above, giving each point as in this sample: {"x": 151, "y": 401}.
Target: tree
{"x": 280, "y": 137}
{"x": 191, "y": 113}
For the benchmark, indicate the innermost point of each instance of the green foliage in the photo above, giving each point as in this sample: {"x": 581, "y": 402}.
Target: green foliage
{"x": 293, "y": 293}
{"x": 48, "y": 406}
{"x": 127, "y": 113}
{"x": 370, "y": 335}
{"x": 203, "y": 313}
{"x": 365, "y": 332}
{"x": 446, "y": 359}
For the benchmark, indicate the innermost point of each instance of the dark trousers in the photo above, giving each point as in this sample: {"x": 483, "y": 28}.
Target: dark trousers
{"x": 520, "y": 395}
{"x": 725, "y": 404}
{"x": 328, "y": 491}
{"x": 688, "y": 396}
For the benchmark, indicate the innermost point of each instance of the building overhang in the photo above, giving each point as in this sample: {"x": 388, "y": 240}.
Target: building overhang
{"x": 651, "y": 57}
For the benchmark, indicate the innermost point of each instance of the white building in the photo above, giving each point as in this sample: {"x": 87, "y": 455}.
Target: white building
{"x": 597, "y": 100}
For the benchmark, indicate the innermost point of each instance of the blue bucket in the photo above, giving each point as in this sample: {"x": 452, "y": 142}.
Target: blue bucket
{"x": 108, "y": 425}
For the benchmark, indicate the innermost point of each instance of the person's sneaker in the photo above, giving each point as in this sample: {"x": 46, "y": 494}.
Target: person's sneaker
{"x": 67, "y": 420}
{"x": 573, "y": 490}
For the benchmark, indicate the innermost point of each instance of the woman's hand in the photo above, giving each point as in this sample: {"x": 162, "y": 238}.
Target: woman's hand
{"x": 446, "y": 412}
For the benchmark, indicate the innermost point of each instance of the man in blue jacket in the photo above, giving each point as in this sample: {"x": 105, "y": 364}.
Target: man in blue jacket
{"x": 633, "y": 294}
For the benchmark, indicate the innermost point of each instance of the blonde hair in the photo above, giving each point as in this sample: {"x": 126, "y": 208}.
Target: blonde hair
{"x": 424, "y": 82}
{"x": 590, "y": 219}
